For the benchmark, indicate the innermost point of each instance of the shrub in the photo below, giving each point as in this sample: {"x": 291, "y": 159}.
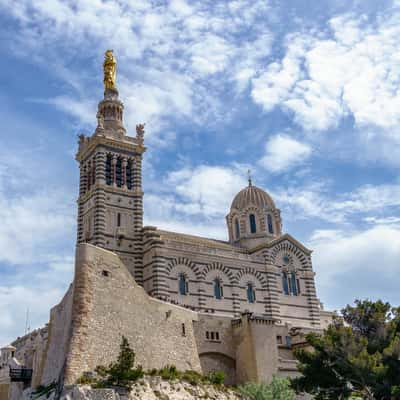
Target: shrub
{"x": 120, "y": 373}
{"x": 193, "y": 377}
{"x": 216, "y": 377}
{"x": 169, "y": 373}
{"x": 278, "y": 389}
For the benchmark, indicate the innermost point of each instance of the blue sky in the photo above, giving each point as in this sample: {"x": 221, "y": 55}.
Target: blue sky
{"x": 305, "y": 94}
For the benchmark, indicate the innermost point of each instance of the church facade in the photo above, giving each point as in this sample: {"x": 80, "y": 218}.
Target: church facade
{"x": 239, "y": 305}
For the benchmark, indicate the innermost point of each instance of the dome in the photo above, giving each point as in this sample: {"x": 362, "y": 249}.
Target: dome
{"x": 252, "y": 195}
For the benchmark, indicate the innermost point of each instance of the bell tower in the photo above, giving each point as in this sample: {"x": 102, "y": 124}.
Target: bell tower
{"x": 110, "y": 203}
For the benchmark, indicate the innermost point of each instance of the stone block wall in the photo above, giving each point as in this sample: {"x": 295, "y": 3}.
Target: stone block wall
{"x": 108, "y": 303}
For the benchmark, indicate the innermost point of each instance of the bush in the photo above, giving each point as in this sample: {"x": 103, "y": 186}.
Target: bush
{"x": 169, "y": 373}
{"x": 216, "y": 377}
{"x": 193, "y": 377}
{"x": 278, "y": 389}
{"x": 120, "y": 373}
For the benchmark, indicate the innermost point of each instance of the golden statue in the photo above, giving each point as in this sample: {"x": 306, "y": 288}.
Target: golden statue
{"x": 110, "y": 70}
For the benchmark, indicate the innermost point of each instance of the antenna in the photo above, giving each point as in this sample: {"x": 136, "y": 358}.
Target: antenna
{"x": 27, "y": 327}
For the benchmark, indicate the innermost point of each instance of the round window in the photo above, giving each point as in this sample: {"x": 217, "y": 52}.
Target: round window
{"x": 286, "y": 259}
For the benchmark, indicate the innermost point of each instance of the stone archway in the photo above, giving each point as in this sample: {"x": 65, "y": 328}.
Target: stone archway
{"x": 214, "y": 361}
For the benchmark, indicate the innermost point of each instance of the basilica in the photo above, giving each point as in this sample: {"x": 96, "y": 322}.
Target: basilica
{"x": 240, "y": 305}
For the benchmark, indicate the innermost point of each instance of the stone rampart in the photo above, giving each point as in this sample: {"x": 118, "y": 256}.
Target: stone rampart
{"x": 108, "y": 303}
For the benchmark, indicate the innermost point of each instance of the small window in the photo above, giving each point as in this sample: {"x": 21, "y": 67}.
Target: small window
{"x": 105, "y": 273}
{"x": 237, "y": 228}
{"x": 218, "y": 291}
{"x": 279, "y": 339}
{"x": 207, "y": 335}
{"x": 270, "y": 226}
{"x": 251, "y": 293}
{"x": 183, "y": 330}
{"x": 216, "y": 335}
{"x": 288, "y": 340}
{"x": 212, "y": 335}
{"x": 253, "y": 226}
{"x": 119, "y": 219}
{"x": 183, "y": 285}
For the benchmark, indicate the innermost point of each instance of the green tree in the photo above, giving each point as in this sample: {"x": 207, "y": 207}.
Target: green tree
{"x": 278, "y": 389}
{"x": 358, "y": 355}
{"x": 122, "y": 372}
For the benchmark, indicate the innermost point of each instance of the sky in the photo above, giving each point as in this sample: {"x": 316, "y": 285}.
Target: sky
{"x": 305, "y": 94}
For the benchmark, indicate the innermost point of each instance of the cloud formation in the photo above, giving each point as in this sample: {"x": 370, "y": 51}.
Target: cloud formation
{"x": 283, "y": 152}
{"x": 349, "y": 69}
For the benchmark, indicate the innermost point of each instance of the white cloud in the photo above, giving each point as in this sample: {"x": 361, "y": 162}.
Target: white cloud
{"x": 315, "y": 200}
{"x": 283, "y": 152}
{"x": 360, "y": 264}
{"x": 16, "y": 300}
{"x": 206, "y": 189}
{"x": 322, "y": 79}
{"x": 168, "y": 54}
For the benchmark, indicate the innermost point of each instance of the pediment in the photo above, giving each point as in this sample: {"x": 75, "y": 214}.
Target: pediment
{"x": 277, "y": 241}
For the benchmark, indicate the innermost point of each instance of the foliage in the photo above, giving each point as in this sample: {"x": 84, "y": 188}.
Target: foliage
{"x": 193, "y": 377}
{"x": 122, "y": 372}
{"x": 86, "y": 380}
{"x": 358, "y": 355}
{"x": 278, "y": 389}
{"x": 44, "y": 390}
{"x": 169, "y": 373}
{"x": 216, "y": 377}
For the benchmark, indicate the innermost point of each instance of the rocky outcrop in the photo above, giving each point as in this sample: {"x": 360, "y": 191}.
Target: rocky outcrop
{"x": 148, "y": 388}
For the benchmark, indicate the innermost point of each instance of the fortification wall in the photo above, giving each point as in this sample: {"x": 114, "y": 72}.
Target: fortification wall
{"x": 58, "y": 340}
{"x": 107, "y": 303}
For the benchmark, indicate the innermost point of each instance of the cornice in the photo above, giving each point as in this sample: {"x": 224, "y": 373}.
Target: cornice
{"x": 95, "y": 141}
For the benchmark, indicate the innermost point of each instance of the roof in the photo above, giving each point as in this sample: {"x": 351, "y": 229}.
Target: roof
{"x": 198, "y": 240}
{"x": 252, "y": 195}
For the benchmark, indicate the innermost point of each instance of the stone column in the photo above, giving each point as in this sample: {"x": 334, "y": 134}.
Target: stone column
{"x": 101, "y": 167}
{"x": 123, "y": 171}
{"x": 82, "y": 191}
{"x": 272, "y": 309}
{"x": 312, "y": 299}
{"x": 114, "y": 170}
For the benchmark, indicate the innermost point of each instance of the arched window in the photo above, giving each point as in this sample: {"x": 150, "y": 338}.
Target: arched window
{"x": 253, "y": 226}
{"x": 218, "y": 291}
{"x": 108, "y": 170}
{"x": 270, "y": 226}
{"x": 285, "y": 284}
{"x": 118, "y": 172}
{"x": 183, "y": 285}
{"x": 290, "y": 284}
{"x": 129, "y": 174}
{"x": 251, "y": 293}
{"x": 237, "y": 229}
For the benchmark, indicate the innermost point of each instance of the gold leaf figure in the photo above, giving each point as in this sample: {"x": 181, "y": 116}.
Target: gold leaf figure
{"x": 110, "y": 70}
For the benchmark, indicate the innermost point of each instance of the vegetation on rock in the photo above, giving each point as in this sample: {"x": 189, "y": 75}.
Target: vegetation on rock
{"x": 278, "y": 389}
